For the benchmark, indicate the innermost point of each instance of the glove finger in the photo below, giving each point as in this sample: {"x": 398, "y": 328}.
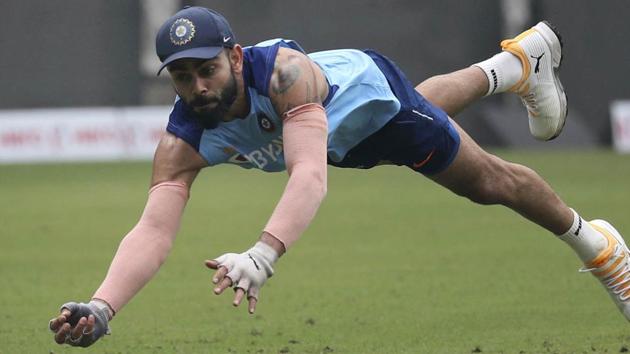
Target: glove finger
{"x": 253, "y": 292}
{"x": 224, "y": 284}
{"x": 243, "y": 283}
{"x": 70, "y": 307}
{"x": 77, "y": 310}
{"x": 235, "y": 275}
{"x": 52, "y": 325}
{"x": 61, "y": 335}
{"x": 224, "y": 267}
{"x": 226, "y": 258}
{"x": 219, "y": 274}
{"x": 89, "y": 328}
{"x": 77, "y": 331}
{"x": 58, "y": 321}
{"x": 239, "y": 294}
{"x": 252, "y": 304}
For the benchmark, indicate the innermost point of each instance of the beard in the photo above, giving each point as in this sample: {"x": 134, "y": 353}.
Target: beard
{"x": 209, "y": 118}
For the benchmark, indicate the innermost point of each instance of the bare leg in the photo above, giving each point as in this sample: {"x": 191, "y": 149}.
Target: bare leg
{"x": 455, "y": 91}
{"x": 487, "y": 179}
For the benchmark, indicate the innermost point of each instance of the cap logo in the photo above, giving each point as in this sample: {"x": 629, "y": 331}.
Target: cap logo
{"x": 182, "y": 31}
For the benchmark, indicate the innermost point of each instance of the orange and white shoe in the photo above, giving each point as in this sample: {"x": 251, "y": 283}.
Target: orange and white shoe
{"x": 540, "y": 51}
{"x": 612, "y": 266}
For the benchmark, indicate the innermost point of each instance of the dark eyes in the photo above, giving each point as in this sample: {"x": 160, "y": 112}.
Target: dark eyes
{"x": 183, "y": 77}
{"x": 204, "y": 72}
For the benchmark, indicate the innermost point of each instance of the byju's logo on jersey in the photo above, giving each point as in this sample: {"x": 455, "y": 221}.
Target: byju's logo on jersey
{"x": 265, "y": 123}
{"x": 267, "y": 155}
{"x": 182, "y": 31}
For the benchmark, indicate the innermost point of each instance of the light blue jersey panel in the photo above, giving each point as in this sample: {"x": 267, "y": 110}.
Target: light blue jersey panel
{"x": 256, "y": 140}
{"x": 362, "y": 102}
{"x": 252, "y": 142}
{"x": 359, "y": 103}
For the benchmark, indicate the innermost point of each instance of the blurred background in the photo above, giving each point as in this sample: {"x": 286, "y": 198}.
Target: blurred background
{"x": 79, "y": 84}
{"x": 77, "y": 54}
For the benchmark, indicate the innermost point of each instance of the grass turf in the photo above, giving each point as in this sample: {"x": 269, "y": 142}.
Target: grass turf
{"x": 392, "y": 264}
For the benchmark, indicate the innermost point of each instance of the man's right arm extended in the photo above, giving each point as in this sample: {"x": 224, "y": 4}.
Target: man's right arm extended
{"x": 143, "y": 250}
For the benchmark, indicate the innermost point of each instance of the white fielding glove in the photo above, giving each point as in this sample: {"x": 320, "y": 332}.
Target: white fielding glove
{"x": 249, "y": 270}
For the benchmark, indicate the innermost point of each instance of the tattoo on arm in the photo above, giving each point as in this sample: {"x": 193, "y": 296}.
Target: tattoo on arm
{"x": 287, "y": 76}
{"x": 308, "y": 99}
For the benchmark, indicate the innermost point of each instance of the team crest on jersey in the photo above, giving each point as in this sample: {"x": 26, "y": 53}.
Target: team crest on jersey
{"x": 182, "y": 31}
{"x": 265, "y": 123}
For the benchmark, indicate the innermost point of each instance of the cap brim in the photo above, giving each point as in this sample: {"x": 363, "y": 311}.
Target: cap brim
{"x": 195, "y": 53}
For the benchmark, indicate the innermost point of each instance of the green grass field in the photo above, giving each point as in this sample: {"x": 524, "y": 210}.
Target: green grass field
{"x": 392, "y": 264}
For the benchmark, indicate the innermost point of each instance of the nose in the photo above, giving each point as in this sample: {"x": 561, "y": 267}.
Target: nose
{"x": 199, "y": 86}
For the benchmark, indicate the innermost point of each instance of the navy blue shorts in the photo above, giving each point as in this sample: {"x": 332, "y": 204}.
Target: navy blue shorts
{"x": 420, "y": 136}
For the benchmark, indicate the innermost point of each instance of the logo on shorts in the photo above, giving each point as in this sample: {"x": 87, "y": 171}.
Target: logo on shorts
{"x": 417, "y": 165}
{"x": 182, "y": 31}
{"x": 265, "y": 123}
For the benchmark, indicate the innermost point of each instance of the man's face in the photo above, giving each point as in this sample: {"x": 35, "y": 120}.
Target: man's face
{"x": 207, "y": 86}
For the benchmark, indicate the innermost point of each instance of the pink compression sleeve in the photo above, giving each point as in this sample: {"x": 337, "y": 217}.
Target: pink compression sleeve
{"x": 305, "y": 135}
{"x": 144, "y": 249}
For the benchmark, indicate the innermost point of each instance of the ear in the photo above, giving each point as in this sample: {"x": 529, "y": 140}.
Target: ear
{"x": 235, "y": 56}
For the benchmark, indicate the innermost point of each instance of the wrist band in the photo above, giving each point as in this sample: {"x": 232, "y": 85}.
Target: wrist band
{"x": 107, "y": 304}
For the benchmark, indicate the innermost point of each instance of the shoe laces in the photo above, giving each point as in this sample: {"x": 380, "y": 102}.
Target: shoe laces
{"x": 529, "y": 99}
{"x": 618, "y": 278}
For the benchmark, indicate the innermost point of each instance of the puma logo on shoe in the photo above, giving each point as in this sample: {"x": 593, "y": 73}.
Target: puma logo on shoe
{"x": 537, "y": 67}
{"x": 539, "y": 86}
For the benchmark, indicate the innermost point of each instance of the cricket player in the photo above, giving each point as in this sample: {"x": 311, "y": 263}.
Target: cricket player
{"x": 273, "y": 107}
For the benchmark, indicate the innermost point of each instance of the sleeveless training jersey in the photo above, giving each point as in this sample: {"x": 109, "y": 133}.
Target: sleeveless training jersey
{"x": 359, "y": 103}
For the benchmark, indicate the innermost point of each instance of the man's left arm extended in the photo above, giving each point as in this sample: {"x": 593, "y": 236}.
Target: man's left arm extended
{"x": 305, "y": 135}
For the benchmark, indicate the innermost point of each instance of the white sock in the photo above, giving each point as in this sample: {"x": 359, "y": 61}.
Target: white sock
{"x": 503, "y": 71}
{"x": 587, "y": 242}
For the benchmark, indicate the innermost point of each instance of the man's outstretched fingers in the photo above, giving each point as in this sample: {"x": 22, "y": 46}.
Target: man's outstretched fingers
{"x": 89, "y": 328}
{"x": 56, "y": 322}
{"x": 221, "y": 270}
{"x": 238, "y": 296}
{"x": 252, "y": 304}
{"x": 219, "y": 275}
{"x": 212, "y": 264}
{"x": 77, "y": 332}
{"x": 224, "y": 284}
{"x": 60, "y": 337}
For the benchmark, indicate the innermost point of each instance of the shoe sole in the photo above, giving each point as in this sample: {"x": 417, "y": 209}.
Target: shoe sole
{"x": 551, "y": 35}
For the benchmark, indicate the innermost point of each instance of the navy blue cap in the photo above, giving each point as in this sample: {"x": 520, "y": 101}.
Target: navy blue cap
{"x": 193, "y": 32}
